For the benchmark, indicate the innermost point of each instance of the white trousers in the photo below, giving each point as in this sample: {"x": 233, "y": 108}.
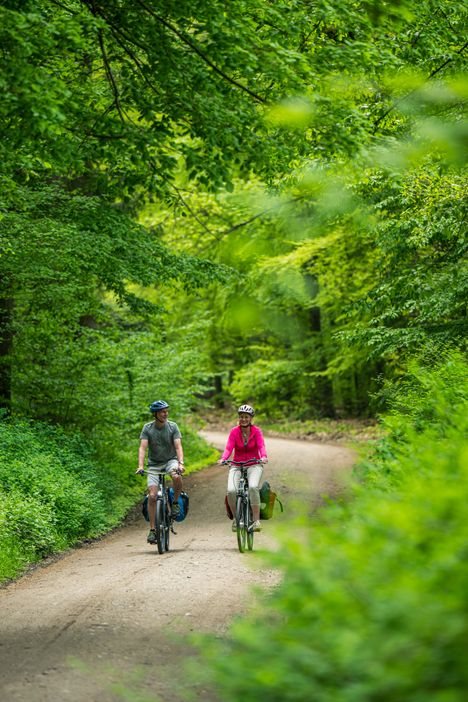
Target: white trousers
{"x": 254, "y": 474}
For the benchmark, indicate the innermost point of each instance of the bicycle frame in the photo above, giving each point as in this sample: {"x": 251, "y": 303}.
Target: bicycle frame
{"x": 244, "y": 518}
{"x": 163, "y": 520}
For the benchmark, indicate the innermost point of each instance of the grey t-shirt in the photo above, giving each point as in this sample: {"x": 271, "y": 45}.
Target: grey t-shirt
{"x": 160, "y": 442}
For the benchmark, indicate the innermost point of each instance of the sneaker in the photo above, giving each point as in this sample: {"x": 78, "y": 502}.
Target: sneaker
{"x": 234, "y": 525}
{"x": 151, "y": 536}
{"x": 256, "y": 526}
{"x": 175, "y": 509}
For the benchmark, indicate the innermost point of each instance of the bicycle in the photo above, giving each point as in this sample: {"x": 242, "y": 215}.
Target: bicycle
{"x": 163, "y": 519}
{"x": 244, "y": 517}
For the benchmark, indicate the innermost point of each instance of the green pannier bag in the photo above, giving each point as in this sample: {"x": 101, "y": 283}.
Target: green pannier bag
{"x": 268, "y": 499}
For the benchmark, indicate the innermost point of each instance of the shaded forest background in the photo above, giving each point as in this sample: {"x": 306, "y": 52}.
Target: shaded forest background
{"x": 261, "y": 202}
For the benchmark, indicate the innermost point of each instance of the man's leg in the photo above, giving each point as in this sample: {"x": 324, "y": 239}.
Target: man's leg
{"x": 177, "y": 485}
{"x": 153, "y": 484}
{"x": 152, "y": 492}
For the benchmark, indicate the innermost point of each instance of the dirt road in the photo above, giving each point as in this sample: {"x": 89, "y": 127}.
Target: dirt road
{"x": 112, "y": 614}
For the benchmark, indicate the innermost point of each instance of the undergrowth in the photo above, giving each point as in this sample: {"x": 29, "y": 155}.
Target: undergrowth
{"x": 372, "y": 603}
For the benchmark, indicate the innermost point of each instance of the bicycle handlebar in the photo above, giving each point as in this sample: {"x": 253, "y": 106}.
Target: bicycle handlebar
{"x": 157, "y": 472}
{"x": 250, "y": 461}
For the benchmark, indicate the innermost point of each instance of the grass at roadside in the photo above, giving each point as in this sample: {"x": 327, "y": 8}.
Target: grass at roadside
{"x": 326, "y": 430}
{"x": 335, "y": 430}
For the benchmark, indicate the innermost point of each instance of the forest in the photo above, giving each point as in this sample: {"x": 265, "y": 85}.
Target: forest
{"x": 247, "y": 201}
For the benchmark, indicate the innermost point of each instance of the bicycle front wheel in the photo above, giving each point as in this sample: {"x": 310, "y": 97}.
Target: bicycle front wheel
{"x": 248, "y": 521}
{"x": 240, "y": 524}
{"x": 160, "y": 525}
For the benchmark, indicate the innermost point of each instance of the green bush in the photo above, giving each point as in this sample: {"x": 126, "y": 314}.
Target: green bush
{"x": 278, "y": 387}
{"x": 57, "y": 489}
{"x": 52, "y": 493}
{"x": 197, "y": 452}
{"x": 372, "y": 605}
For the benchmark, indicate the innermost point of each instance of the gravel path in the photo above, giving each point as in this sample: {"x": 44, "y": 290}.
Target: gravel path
{"x": 113, "y": 613}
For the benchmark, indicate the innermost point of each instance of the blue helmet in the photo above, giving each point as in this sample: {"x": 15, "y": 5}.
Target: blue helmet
{"x": 158, "y": 405}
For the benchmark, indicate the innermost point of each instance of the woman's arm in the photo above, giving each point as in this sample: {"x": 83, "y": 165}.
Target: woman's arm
{"x": 261, "y": 445}
{"x": 229, "y": 445}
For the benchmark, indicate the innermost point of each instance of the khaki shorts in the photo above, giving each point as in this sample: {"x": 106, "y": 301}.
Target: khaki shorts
{"x": 168, "y": 468}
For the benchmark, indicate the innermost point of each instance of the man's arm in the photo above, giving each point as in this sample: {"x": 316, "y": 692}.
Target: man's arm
{"x": 180, "y": 453}
{"x": 142, "y": 454}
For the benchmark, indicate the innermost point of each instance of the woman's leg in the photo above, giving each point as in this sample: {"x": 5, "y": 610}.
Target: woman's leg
{"x": 233, "y": 482}
{"x": 255, "y": 475}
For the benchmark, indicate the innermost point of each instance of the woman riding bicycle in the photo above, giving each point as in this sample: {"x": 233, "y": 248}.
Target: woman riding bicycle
{"x": 246, "y": 440}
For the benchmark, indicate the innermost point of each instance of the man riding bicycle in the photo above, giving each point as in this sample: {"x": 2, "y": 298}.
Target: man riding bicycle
{"x": 246, "y": 440}
{"x": 163, "y": 441}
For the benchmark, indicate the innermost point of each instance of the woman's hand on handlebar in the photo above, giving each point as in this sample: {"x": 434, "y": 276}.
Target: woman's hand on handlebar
{"x": 248, "y": 462}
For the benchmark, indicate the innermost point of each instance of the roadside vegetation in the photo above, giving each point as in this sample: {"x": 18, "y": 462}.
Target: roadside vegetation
{"x": 327, "y": 430}
{"x": 372, "y": 601}
{"x": 57, "y": 489}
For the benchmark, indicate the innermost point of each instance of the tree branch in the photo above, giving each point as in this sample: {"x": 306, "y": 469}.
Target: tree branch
{"x": 63, "y": 7}
{"x": 110, "y": 75}
{"x": 95, "y": 135}
{"x": 200, "y": 53}
{"x": 306, "y": 38}
{"x": 194, "y": 214}
{"x": 431, "y": 75}
{"x": 120, "y": 40}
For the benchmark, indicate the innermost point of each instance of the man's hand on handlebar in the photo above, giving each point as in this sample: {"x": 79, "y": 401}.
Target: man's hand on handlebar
{"x": 140, "y": 471}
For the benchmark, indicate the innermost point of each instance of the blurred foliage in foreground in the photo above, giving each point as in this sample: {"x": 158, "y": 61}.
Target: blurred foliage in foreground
{"x": 372, "y": 605}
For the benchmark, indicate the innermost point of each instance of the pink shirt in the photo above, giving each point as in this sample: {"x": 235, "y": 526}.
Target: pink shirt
{"x": 255, "y": 447}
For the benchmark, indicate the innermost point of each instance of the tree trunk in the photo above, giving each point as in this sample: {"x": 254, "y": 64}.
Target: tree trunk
{"x": 6, "y": 343}
{"x": 218, "y": 384}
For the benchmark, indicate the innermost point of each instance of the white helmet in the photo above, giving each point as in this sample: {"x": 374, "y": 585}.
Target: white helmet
{"x": 247, "y": 409}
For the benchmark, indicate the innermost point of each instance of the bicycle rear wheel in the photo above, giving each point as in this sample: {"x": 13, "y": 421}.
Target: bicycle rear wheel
{"x": 240, "y": 524}
{"x": 160, "y": 526}
{"x": 167, "y": 526}
{"x": 248, "y": 525}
